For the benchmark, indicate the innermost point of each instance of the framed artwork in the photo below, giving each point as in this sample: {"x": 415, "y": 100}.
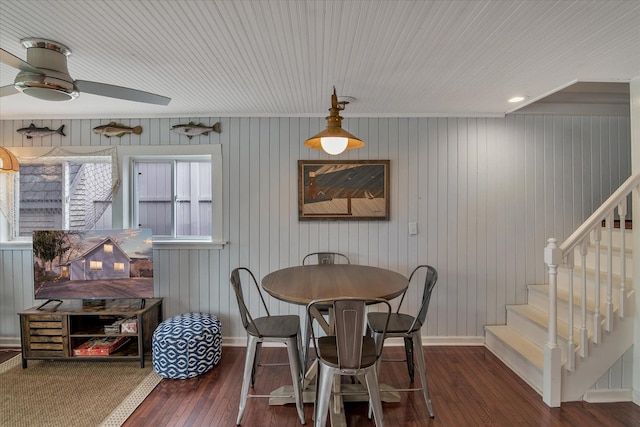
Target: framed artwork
{"x": 343, "y": 190}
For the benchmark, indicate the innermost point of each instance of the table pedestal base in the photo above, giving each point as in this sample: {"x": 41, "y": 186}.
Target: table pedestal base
{"x": 283, "y": 395}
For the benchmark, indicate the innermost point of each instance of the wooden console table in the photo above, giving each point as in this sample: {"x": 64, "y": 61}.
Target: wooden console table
{"x": 54, "y": 331}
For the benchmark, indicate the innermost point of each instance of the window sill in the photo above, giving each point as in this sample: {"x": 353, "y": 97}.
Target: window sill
{"x": 188, "y": 244}
{"x": 16, "y": 245}
{"x": 157, "y": 244}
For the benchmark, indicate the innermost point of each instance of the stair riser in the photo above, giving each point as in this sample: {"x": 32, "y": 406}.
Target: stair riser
{"x": 540, "y": 301}
{"x": 604, "y": 262}
{"x": 563, "y": 284}
{"x": 533, "y": 331}
{"x": 616, "y": 238}
{"x": 525, "y": 369}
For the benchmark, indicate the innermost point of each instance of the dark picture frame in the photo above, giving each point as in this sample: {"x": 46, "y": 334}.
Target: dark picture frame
{"x": 343, "y": 190}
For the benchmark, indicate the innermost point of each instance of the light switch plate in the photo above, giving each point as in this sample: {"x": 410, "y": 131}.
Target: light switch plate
{"x": 413, "y": 228}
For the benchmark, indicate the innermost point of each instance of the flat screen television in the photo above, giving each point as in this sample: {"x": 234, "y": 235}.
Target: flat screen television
{"x": 92, "y": 264}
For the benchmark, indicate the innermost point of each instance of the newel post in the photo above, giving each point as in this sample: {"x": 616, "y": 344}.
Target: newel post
{"x": 552, "y": 375}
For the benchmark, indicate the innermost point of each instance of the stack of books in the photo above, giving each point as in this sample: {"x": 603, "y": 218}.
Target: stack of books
{"x": 103, "y": 346}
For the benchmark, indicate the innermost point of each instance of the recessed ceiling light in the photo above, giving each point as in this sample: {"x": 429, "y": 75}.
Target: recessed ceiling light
{"x": 518, "y": 98}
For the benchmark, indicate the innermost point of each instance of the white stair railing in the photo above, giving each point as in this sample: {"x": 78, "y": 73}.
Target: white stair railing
{"x": 563, "y": 255}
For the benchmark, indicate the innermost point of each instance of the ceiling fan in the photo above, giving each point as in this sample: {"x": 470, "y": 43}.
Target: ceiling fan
{"x": 44, "y": 75}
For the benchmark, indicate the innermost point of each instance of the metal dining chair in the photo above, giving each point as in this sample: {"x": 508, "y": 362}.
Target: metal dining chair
{"x": 284, "y": 329}
{"x": 409, "y": 327}
{"x": 320, "y": 258}
{"x": 326, "y": 258}
{"x": 349, "y": 351}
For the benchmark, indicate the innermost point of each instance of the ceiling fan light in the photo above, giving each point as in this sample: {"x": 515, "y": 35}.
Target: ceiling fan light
{"x": 334, "y": 145}
{"x": 46, "y": 87}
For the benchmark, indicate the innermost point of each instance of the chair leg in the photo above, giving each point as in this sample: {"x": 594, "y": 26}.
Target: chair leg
{"x": 408, "y": 349}
{"x": 256, "y": 363}
{"x": 247, "y": 378}
{"x": 293, "y": 349}
{"x": 323, "y": 395}
{"x": 422, "y": 371}
{"x": 375, "y": 402}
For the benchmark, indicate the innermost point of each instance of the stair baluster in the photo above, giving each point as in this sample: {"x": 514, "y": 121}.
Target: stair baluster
{"x": 608, "y": 319}
{"x": 622, "y": 213}
{"x": 597, "y": 318}
{"x": 571, "y": 343}
{"x": 584, "y": 335}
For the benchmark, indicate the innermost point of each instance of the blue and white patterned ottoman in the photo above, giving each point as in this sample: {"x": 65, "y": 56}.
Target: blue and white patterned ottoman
{"x": 187, "y": 345}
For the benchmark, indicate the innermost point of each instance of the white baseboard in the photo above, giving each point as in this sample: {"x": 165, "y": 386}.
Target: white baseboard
{"x": 609, "y": 395}
{"x": 391, "y": 342}
{"x": 10, "y": 342}
{"x": 636, "y": 397}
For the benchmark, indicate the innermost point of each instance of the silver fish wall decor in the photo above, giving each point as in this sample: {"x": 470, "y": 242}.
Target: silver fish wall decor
{"x": 193, "y": 129}
{"x": 116, "y": 129}
{"x": 33, "y": 131}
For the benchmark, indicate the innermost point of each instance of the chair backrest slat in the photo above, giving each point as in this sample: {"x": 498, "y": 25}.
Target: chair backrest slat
{"x": 429, "y": 284}
{"x": 349, "y": 326}
{"x": 245, "y": 314}
{"x": 325, "y": 258}
{"x": 349, "y": 318}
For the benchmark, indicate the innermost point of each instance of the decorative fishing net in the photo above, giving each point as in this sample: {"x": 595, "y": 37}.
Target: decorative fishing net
{"x": 61, "y": 190}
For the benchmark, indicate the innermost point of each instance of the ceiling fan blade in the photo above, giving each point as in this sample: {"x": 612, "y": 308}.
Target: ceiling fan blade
{"x": 18, "y": 63}
{"x": 8, "y": 90}
{"x": 121, "y": 92}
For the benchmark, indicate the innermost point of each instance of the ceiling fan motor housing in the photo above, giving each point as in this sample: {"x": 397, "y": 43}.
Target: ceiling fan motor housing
{"x": 55, "y": 83}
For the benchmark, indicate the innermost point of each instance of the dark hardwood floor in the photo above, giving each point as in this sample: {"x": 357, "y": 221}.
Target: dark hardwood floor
{"x": 469, "y": 386}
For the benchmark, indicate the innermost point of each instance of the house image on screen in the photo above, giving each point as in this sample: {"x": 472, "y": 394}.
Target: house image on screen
{"x": 105, "y": 261}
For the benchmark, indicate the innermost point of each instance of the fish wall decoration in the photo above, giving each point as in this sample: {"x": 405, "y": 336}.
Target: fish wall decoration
{"x": 32, "y": 131}
{"x": 116, "y": 129}
{"x": 193, "y": 129}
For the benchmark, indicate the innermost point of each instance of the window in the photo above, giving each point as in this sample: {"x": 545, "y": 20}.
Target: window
{"x": 176, "y": 191}
{"x": 173, "y": 197}
{"x": 118, "y": 266}
{"x": 95, "y": 265}
{"x": 108, "y": 249}
{"x": 59, "y": 190}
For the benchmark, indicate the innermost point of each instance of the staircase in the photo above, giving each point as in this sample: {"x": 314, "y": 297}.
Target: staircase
{"x": 558, "y": 343}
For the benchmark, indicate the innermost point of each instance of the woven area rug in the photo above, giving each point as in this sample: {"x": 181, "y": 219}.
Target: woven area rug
{"x": 72, "y": 393}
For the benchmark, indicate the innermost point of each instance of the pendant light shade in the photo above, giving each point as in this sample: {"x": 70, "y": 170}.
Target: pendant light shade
{"x": 334, "y": 140}
{"x": 8, "y": 162}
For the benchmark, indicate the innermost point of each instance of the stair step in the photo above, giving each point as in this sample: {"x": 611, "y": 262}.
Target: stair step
{"x": 540, "y": 319}
{"x": 563, "y": 297}
{"x": 517, "y": 352}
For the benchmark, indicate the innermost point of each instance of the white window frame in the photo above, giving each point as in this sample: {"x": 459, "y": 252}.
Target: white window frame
{"x": 182, "y": 152}
{"x": 121, "y": 205}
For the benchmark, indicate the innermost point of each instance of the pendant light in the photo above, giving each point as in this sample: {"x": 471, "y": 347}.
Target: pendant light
{"x": 8, "y": 162}
{"x": 334, "y": 140}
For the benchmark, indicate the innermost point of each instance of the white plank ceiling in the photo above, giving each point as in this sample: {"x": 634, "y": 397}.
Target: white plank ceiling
{"x": 282, "y": 58}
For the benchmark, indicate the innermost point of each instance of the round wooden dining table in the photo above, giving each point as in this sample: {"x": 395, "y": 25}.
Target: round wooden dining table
{"x": 305, "y": 283}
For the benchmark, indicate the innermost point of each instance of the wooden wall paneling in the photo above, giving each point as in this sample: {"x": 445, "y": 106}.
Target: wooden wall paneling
{"x": 277, "y": 171}
{"x": 8, "y": 300}
{"x": 173, "y": 282}
{"x": 457, "y": 178}
{"x": 296, "y": 130}
{"x": 405, "y": 186}
{"x": 481, "y": 241}
{"x": 464, "y": 281}
{"x": 252, "y": 186}
{"x": 383, "y": 232}
{"x": 442, "y": 219}
{"x": 453, "y": 173}
{"x": 627, "y": 369}
{"x": 493, "y": 208}
{"x": 471, "y": 221}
